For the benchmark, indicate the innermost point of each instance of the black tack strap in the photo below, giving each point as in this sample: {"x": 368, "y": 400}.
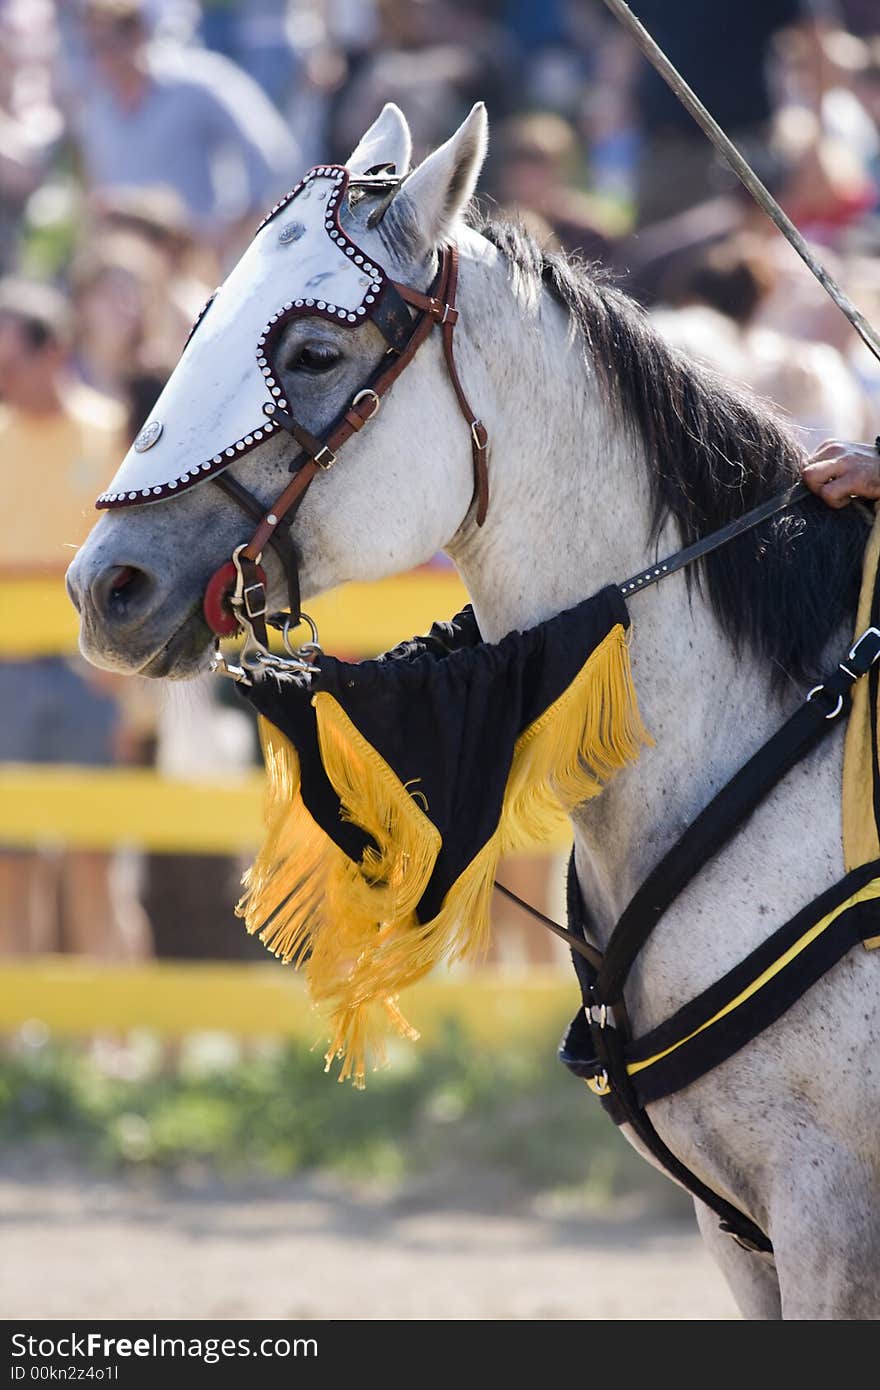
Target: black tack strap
{"x": 673, "y": 563}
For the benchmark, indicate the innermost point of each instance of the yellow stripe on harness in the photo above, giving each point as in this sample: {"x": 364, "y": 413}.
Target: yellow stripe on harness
{"x": 861, "y": 843}
{"x": 868, "y": 893}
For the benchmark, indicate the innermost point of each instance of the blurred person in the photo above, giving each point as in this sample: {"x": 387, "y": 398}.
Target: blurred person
{"x": 157, "y": 217}
{"x": 182, "y": 117}
{"x": 58, "y": 442}
{"x": 30, "y": 125}
{"x": 717, "y": 298}
{"x": 126, "y": 321}
{"x": 828, "y": 186}
{"x": 256, "y": 36}
{"x": 435, "y": 58}
{"x": 538, "y": 160}
{"x": 721, "y": 51}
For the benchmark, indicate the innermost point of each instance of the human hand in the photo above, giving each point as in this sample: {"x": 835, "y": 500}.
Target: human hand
{"x": 840, "y": 471}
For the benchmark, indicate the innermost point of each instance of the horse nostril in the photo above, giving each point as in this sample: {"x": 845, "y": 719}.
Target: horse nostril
{"x": 120, "y": 590}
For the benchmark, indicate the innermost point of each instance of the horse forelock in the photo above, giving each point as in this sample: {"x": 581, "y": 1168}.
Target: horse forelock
{"x": 713, "y": 450}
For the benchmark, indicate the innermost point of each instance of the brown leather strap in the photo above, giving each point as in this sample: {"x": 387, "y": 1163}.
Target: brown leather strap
{"x": 442, "y": 310}
{"x": 321, "y": 454}
{"x": 479, "y": 433}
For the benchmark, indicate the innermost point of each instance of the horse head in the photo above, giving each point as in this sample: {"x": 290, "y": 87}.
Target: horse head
{"x": 304, "y": 320}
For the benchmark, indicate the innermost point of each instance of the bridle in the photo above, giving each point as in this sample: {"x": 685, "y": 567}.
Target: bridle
{"x": 236, "y": 594}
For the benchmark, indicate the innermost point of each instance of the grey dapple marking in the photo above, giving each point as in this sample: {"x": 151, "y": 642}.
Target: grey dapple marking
{"x": 787, "y": 1128}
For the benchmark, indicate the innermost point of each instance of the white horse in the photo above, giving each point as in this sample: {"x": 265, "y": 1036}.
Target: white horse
{"x": 606, "y": 446}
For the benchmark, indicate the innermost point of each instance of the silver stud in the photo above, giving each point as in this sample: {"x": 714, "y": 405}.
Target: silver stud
{"x": 321, "y": 304}
{"x": 206, "y": 466}
{"x": 239, "y": 444}
{"x": 360, "y": 311}
{"x": 249, "y": 439}
{"x": 276, "y": 391}
{"x": 292, "y": 231}
{"x": 230, "y": 453}
{"x": 132, "y": 496}
{"x": 184, "y": 477}
{"x": 369, "y": 299}
{"x": 342, "y": 313}
{"x": 145, "y": 492}
{"x": 258, "y": 434}
{"x": 298, "y": 303}
{"x": 309, "y": 303}
{"x": 352, "y": 318}
{"x": 358, "y": 260}
{"x": 272, "y": 519}
{"x": 218, "y": 458}
{"x": 172, "y": 484}
{"x": 148, "y": 436}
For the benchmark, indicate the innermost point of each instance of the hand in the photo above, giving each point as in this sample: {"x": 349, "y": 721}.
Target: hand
{"x": 839, "y": 471}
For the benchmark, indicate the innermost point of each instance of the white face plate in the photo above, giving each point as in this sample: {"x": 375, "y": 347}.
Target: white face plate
{"x": 300, "y": 263}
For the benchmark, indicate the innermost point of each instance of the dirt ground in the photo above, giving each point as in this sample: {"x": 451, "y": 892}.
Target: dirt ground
{"x": 316, "y": 1248}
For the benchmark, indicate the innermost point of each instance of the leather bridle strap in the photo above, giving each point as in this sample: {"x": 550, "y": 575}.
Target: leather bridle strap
{"x": 439, "y": 308}
{"x": 447, "y": 316}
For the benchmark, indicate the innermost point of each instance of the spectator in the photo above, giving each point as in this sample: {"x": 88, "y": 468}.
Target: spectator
{"x": 126, "y": 321}
{"x": 165, "y": 115}
{"x": 719, "y": 297}
{"x": 539, "y": 161}
{"x": 721, "y": 50}
{"x": 57, "y": 444}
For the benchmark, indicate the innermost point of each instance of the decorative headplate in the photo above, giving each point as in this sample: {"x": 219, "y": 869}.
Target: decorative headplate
{"x": 212, "y": 408}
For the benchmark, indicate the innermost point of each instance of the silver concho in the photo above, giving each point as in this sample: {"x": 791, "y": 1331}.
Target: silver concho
{"x": 148, "y": 436}
{"x": 292, "y": 231}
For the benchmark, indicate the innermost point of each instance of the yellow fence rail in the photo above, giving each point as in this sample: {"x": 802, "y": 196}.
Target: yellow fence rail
{"x": 100, "y": 808}
{"x": 358, "y": 620}
{"x": 78, "y": 998}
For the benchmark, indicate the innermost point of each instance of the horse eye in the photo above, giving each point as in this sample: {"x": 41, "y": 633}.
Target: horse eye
{"x": 314, "y": 357}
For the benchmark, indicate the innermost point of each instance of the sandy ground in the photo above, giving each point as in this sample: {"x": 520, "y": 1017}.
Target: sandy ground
{"x": 73, "y": 1246}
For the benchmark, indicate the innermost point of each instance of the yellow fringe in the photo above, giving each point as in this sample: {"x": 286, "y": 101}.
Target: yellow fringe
{"x": 357, "y": 922}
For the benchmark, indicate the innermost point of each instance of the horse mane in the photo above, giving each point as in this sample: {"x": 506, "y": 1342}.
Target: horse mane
{"x": 713, "y": 452}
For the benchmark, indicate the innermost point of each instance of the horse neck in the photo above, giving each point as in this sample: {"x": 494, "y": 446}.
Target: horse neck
{"x": 569, "y": 513}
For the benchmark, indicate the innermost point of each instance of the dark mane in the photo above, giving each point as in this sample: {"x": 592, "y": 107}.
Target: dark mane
{"x": 713, "y": 452}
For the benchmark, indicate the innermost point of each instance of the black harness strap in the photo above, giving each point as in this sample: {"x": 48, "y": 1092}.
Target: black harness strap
{"x": 682, "y": 558}
{"x": 701, "y": 1035}
{"x": 725, "y": 813}
{"x": 607, "y": 1072}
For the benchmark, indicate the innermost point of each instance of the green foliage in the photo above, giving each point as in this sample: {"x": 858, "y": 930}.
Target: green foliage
{"x": 447, "y": 1110}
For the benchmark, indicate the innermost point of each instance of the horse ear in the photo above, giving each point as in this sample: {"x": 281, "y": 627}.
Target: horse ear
{"x": 441, "y": 187}
{"x": 387, "y": 141}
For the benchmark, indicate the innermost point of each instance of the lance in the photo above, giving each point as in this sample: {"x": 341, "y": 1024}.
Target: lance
{"x": 743, "y": 170}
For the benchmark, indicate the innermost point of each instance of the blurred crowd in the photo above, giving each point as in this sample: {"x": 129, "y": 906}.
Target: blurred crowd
{"x": 141, "y": 140}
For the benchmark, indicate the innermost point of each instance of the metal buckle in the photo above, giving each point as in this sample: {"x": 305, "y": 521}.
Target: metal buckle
{"x": 817, "y": 689}
{"x": 852, "y": 655}
{"x": 476, "y": 426}
{"x": 599, "y": 1084}
{"x": 254, "y": 600}
{"x": 320, "y": 455}
{"x": 377, "y": 401}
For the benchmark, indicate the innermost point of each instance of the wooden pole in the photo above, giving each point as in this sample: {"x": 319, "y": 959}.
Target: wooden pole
{"x": 743, "y": 170}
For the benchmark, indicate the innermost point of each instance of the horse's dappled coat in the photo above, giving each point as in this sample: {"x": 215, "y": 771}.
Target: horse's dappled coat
{"x": 395, "y": 785}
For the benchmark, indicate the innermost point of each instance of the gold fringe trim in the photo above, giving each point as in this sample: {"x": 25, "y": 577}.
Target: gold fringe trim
{"x": 356, "y": 924}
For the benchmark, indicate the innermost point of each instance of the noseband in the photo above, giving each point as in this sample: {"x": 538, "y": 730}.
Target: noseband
{"x": 236, "y": 594}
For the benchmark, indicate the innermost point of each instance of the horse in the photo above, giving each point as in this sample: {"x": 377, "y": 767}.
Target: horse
{"x": 607, "y": 446}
